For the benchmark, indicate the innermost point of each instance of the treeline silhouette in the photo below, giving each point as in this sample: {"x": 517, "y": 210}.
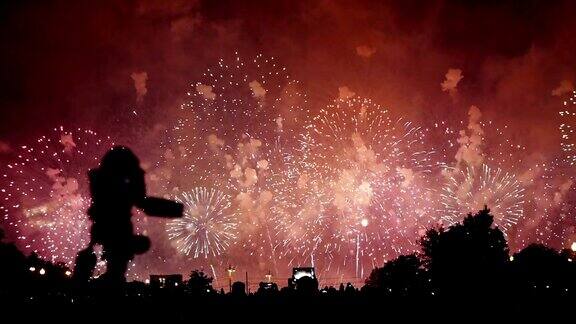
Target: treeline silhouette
{"x": 472, "y": 259}
{"x": 464, "y": 262}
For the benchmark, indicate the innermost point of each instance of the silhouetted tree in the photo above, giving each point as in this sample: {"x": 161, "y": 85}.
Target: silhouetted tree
{"x": 468, "y": 258}
{"x": 403, "y": 276}
{"x": 538, "y": 270}
{"x": 199, "y": 283}
{"x": 47, "y": 277}
{"x": 13, "y": 266}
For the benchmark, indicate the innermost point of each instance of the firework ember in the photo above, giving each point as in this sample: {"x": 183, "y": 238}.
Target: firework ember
{"x": 330, "y": 134}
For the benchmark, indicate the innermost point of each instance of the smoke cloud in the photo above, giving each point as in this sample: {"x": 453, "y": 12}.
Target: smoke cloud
{"x": 140, "y": 79}
{"x": 68, "y": 142}
{"x": 257, "y": 90}
{"x": 450, "y": 84}
{"x": 365, "y": 51}
{"x": 205, "y": 91}
{"x": 563, "y": 88}
{"x": 470, "y": 140}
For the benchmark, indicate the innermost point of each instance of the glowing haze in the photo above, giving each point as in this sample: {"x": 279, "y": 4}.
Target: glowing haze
{"x": 325, "y": 133}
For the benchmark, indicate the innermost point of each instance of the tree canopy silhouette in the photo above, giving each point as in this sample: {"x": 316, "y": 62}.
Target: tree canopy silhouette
{"x": 540, "y": 270}
{"x": 199, "y": 283}
{"x": 12, "y": 265}
{"x": 403, "y": 276}
{"x": 467, "y": 258}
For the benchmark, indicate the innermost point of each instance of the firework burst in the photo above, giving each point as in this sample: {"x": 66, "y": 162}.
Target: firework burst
{"x": 548, "y": 208}
{"x": 362, "y": 170}
{"x": 470, "y": 189}
{"x": 209, "y": 225}
{"x": 235, "y": 103}
{"x": 568, "y": 114}
{"x": 235, "y": 133}
{"x": 45, "y": 193}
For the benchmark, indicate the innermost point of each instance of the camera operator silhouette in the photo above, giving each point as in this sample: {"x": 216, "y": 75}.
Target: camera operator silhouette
{"x": 117, "y": 186}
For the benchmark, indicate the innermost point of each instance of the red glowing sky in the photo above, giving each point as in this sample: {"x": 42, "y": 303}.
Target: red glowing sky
{"x": 77, "y": 63}
{"x": 72, "y": 62}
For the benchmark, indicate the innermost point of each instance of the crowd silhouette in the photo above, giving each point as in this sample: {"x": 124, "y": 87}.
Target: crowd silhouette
{"x": 466, "y": 262}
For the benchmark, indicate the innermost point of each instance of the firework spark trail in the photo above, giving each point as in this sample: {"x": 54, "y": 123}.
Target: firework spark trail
{"x": 239, "y": 99}
{"x": 209, "y": 225}
{"x": 45, "y": 194}
{"x": 488, "y": 170}
{"x": 548, "y": 208}
{"x": 356, "y": 158}
{"x": 568, "y": 114}
{"x": 470, "y": 189}
{"x": 345, "y": 190}
{"x": 234, "y": 132}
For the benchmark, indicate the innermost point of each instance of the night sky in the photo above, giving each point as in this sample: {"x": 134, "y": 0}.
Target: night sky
{"x": 333, "y": 132}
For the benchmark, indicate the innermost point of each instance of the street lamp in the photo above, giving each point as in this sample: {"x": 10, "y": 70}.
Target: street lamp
{"x": 231, "y": 271}
{"x": 269, "y": 277}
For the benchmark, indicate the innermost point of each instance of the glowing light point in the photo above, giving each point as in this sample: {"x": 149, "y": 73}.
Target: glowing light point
{"x": 364, "y": 222}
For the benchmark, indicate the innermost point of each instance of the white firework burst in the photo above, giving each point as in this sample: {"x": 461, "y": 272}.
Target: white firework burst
{"x": 469, "y": 189}
{"x": 209, "y": 225}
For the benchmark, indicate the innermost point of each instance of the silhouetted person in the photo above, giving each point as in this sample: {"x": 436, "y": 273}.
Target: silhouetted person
{"x": 238, "y": 289}
{"x": 341, "y": 288}
{"x": 350, "y": 290}
{"x": 117, "y": 186}
{"x": 267, "y": 289}
{"x": 332, "y": 291}
{"x": 307, "y": 286}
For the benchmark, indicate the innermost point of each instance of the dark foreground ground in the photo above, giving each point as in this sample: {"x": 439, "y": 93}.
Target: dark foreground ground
{"x": 305, "y": 309}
